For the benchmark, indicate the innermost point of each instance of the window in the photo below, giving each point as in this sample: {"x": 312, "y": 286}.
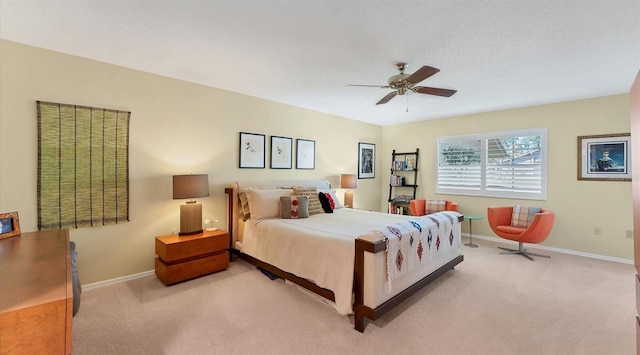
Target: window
{"x": 509, "y": 164}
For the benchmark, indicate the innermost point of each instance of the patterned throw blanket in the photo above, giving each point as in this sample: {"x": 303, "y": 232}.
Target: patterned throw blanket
{"x": 414, "y": 243}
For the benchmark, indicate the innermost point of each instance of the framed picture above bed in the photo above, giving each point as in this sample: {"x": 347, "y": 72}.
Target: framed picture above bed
{"x": 281, "y": 148}
{"x": 366, "y": 161}
{"x": 305, "y": 154}
{"x": 252, "y": 150}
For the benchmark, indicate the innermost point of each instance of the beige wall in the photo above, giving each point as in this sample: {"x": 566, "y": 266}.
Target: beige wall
{"x": 179, "y": 127}
{"x": 176, "y": 128}
{"x": 579, "y": 205}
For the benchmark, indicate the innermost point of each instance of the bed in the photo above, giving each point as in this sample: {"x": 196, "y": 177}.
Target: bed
{"x": 341, "y": 256}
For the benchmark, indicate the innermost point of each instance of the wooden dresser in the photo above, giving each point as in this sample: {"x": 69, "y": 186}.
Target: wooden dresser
{"x": 36, "y": 293}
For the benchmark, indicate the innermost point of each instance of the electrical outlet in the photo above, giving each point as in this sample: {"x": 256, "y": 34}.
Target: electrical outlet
{"x": 628, "y": 234}
{"x": 597, "y": 230}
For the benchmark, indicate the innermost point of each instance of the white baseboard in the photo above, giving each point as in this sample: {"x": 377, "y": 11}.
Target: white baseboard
{"x": 117, "y": 280}
{"x": 557, "y": 250}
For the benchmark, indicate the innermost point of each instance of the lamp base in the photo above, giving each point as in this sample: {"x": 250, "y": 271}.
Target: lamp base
{"x": 190, "y": 219}
{"x": 348, "y": 199}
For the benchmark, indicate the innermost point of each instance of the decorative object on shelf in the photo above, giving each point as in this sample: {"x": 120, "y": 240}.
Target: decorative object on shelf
{"x": 9, "y": 225}
{"x": 281, "y": 152}
{"x": 305, "y": 154}
{"x": 189, "y": 187}
{"x": 209, "y": 226}
{"x": 348, "y": 181}
{"x": 366, "y": 161}
{"x": 252, "y": 152}
{"x": 605, "y": 157}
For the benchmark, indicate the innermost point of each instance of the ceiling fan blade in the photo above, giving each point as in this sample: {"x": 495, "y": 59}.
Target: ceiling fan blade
{"x": 434, "y": 91}
{"x": 422, "y": 73}
{"x": 386, "y": 99}
{"x": 372, "y": 86}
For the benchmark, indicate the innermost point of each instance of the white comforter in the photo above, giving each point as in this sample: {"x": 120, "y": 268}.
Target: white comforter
{"x": 319, "y": 248}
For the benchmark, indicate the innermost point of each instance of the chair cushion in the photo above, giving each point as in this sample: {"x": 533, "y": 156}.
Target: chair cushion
{"x": 433, "y": 206}
{"x": 523, "y": 215}
{"x": 510, "y": 229}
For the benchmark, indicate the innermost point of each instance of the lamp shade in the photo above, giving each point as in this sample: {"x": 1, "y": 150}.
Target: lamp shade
{"x": 348, "y": 181}
{"x": 190, "y": 186}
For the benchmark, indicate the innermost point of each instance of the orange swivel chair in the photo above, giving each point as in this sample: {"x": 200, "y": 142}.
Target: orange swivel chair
{"x": 418, "y": 207}
{"x": 499, "y": 219}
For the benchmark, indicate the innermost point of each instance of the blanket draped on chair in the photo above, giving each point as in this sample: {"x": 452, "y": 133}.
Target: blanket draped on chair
{"x": 413, "y": 243}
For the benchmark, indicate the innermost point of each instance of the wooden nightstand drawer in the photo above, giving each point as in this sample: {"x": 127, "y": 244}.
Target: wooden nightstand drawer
{"x": 173, "y": 273}
{"x": 181, "y": 258}
{"x": 173, "y": 247}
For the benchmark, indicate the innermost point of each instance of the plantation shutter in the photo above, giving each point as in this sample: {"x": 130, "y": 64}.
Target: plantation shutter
{"x": 459, "y": 164}
{"x": 507, "y": 164}
{"x": 514, "y": 165}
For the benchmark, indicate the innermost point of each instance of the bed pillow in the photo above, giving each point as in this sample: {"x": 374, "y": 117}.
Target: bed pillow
{"x": 295, "y": 206}
{"x": 264, "y": 204}
{"x": 523, "y": 215}
{"x": 327, "y": 202}
{"x": 315, "y": 207}
{"x": 243, "y": 208}
{"x": 433, "y": 206}
{"x": 332, "y": 192}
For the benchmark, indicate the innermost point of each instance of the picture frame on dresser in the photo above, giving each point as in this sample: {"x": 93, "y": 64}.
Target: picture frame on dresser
{"x": 252, "y": 150}
{"x": 9, "y": 225}
{"x": 281, "y": 152}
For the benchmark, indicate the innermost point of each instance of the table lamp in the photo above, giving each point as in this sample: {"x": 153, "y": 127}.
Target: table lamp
{"x": 348, "y": 181}
{"x": 189, "y": 187}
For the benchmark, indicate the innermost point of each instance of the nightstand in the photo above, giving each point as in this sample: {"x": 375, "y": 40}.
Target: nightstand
{"x": 182, "y": 258}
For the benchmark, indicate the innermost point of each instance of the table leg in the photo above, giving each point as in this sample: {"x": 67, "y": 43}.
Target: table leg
{"x": 470, "y": 244}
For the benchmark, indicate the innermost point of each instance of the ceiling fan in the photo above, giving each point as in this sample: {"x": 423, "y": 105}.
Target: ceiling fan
{"x": 403, "y": 82}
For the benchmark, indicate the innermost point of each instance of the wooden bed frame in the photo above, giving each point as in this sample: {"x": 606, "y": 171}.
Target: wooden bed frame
{"x": 360, "y": 310}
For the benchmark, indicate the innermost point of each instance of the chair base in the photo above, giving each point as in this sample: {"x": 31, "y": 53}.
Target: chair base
{"x": 522, "y": 251}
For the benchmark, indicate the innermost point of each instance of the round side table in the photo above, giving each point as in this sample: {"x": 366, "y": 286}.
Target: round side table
{"x": 471, "y": 218}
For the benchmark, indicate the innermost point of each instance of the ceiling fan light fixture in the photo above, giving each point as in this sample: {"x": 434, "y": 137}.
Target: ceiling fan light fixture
{"x": 402, "y": 82}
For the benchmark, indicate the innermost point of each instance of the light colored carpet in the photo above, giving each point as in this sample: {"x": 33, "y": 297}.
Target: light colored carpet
{"x": 489, "y": 304}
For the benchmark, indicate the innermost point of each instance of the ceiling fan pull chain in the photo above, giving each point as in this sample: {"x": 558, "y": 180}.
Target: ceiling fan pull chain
{"x": 407, "y": 102}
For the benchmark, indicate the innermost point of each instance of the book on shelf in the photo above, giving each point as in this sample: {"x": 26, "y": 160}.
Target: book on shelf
{"x": 403, "y": 165}
{"x": 402, "y": 198}
{"x": 396, "y": 180}
{"x": 393, "y": 209}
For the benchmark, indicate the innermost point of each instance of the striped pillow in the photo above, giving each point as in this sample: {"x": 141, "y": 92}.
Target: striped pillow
{"x": 433, "y": 206}
{"x": 523, "y": 215}
{"x": 315, "y": 207}
{"x": 243, "y": 210}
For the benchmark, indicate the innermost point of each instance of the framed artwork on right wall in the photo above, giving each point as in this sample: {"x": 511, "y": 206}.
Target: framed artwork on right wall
{"x": 605, "y": 157}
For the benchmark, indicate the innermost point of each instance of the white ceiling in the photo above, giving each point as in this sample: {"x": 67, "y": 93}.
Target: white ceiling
{"x": 498, "y": 54}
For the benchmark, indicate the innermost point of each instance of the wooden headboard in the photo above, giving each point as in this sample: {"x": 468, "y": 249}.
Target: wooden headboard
{"x": 235, "y": 225}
